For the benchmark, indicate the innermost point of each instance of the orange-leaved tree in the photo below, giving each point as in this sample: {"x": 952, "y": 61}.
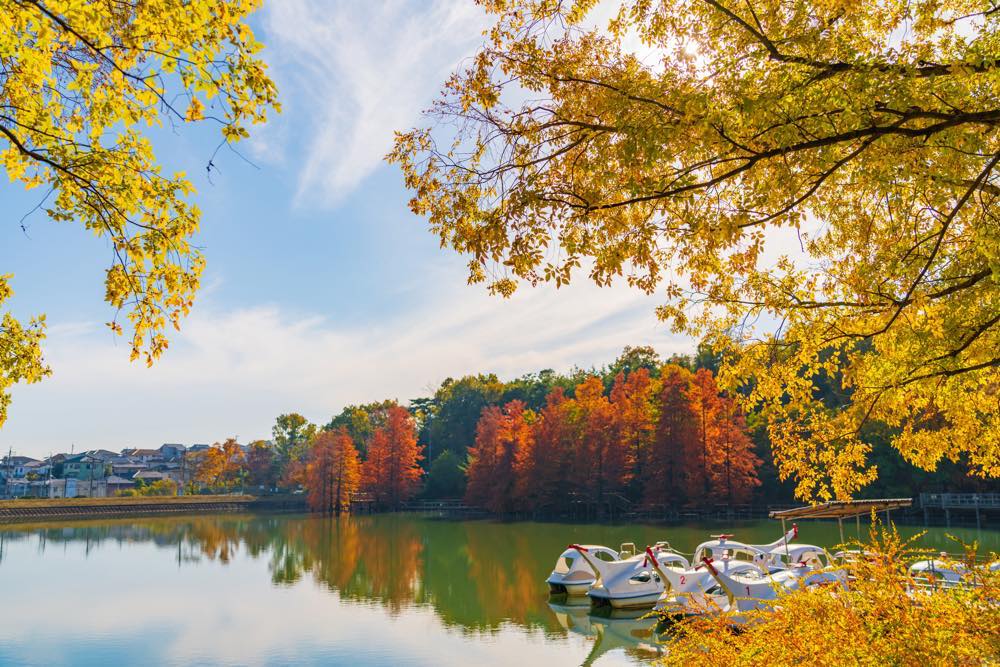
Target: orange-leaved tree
{"x": 543, "y": 480}
{"x": 500, "y": 456}
{"x": 209, "y": 466}
{"x": 674, "y": 445}
{"x": 704, "y": 395}
{"x": 602, "y": 462}
{"x": 333, "y": 472}
{"x": 233, "y": 463}
{"x": 391, "y": 473}
{"x": 734, "y": 473}
{"x": 634, "y": 413}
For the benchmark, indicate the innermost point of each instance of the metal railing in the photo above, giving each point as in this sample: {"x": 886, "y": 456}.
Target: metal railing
{"x": 960, "y": 500}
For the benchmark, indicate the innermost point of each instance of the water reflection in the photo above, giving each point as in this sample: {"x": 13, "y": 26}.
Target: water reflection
{"x": 636, "y": 633}
{"x": 478, "y": 578}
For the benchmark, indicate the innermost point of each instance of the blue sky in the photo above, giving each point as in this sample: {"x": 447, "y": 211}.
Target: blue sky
{"x": 322, "y": 289}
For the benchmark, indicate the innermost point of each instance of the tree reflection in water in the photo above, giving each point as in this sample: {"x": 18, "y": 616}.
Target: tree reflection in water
{"x": 477, "y": 576}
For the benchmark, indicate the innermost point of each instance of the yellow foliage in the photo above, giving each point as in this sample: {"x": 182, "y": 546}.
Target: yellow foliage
{"x": 78, "y": 79}
{"x": 879, "y": 620}
{"x": 866, "y": 132}
{"x": 20, "y": 350}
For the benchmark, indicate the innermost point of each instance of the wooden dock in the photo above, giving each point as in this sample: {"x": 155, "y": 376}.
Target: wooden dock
{"x": 978, "y": 503}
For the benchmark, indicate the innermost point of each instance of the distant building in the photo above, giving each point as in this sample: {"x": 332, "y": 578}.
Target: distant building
{"x": 116, "y": 485}
{"x": 199, "y": 448}
{"x": 150, "y": 476}
{"x": 170, "y": 451}
{"x": 95, "y": 488}
{"x": 144, "y": 455}
{"x": 84, "y": 467}
{"x": 15, "y": 466}
{"x": 102, "y": 454}
{"x": 128, "y": 469}
{"x": 61, "y": 488}
{"x": 37, "y": 469}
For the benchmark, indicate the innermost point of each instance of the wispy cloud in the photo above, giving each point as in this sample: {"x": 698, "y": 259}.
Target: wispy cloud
{"x": 357, "y": 71}
{"x": 232, "y": 371}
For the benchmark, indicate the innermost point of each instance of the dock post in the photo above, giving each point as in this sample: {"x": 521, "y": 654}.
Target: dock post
{"x": 947, "y": 517}
{"x": 979, "y": 525}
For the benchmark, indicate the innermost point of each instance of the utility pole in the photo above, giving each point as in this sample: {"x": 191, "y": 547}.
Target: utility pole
{"x": 10, "y": 453}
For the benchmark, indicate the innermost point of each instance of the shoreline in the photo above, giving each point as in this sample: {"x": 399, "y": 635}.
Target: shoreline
{"x": 16, "y": 511}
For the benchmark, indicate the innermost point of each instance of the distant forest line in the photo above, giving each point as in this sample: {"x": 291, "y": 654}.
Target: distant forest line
{"x": 647, "y": 430}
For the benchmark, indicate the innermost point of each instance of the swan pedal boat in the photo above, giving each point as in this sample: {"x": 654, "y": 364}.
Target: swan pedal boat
{"x": 572, "y": 574}
{"x": 685, "y": 593}
{"x": 745, "y": 589}
{"x": 637, "y": 582}
{"x": 945, "y": 572}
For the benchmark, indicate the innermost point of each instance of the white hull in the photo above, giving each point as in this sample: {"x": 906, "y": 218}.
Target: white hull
{"x": 577, "y": 589}
{"x": 558, "y": 586}
{"x": 645, "y": 601}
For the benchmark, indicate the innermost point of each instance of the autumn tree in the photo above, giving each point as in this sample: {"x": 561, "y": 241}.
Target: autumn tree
{"x": 634, "y": 417}
{"x": 544, "y": 481}
{"x": 234, "y": 463}
{"x": 502, "y": 454}
{"x": 705, "y": 404}
{"x": 333, "y": 472}
{"x": 488, "y": 468}
{"x": 601, "y": 460}
{"x": 260, "y": 463}
{"x": 853, "y": 142}
{"x": 391, "y": 473}
{"x": 674, "y": 445}
{"x": 734, "y": 472}
{"x": 209, "y": 466}
{"x": 79, "y": 82}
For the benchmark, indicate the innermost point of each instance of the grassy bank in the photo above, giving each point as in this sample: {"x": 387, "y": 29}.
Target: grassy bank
{"x": 84, "y": 508}
{"x": 136, "y": 501}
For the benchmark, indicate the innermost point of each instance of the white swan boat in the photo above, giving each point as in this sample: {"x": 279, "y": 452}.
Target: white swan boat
{"x": 685, "y": 593}
{"x": 752, "y": 589}
{"x": 946, "y": 572}
{"x": 572, "y": 574}
{"x": 636, "y": 583}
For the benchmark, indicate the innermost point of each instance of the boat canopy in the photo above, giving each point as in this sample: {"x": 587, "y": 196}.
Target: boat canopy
{"x": 842, "y": 509}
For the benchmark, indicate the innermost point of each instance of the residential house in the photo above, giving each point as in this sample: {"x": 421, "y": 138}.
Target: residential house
{"x": 37, "y": 469}
{"x": 172, "y": 451}
{"x": 150, "y": 476}
{"x": 127, "y": 468}
{"x": 61, "y": 488}
{"x": 144, "y": 455}
{"x": 116, "y": 484}
{"x": 85, "y": 467}
{"x": 15, "y": 467}
{"x": 102, "y": 454}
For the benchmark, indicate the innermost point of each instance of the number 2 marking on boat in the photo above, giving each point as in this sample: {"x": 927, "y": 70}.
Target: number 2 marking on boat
{"x": 683, "y": 579}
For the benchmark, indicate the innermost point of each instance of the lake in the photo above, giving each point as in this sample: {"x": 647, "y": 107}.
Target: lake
{"x": 395, "y": 589}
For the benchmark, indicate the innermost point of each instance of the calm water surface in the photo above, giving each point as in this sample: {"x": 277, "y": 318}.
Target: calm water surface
{"x": 369, "y": 590}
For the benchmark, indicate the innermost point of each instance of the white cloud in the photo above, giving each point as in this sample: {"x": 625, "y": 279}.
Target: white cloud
{"x": 354, "y": 72}
{"x": 231, "y": 372}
